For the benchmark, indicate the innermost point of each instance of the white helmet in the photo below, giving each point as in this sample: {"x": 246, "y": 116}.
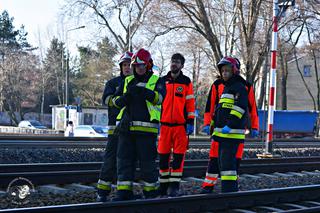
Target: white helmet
{"x": 125, "y": 57}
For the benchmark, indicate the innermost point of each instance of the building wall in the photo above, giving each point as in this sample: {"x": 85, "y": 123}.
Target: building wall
{"x": 85, "y": 116}
{"x": 298, "y": 97}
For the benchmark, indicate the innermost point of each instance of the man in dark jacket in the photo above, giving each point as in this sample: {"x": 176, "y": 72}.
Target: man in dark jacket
{"x": 230, "y": 120}
{"x": 215, "y": 93}
{"x": 140, "y": 106}
{"x": 108, "y": 169}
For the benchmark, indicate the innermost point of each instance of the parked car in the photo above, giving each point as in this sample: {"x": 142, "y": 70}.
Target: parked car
{"x": 105, "y": 129}
{"x": 31, "y": 124}
{"x": 89, "y": 131}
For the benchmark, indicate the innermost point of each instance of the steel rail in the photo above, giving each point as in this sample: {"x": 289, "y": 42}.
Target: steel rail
{"x": 197, "y": 138}
{"x": 194, "y": 144}
{"x": 67, "y": 166}
{"x": 88, "y": 172}
{"x": 196, "y": 203}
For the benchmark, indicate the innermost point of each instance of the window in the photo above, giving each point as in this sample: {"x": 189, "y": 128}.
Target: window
{"x": 88, "y": 119}
{"x": 307, "y": 70}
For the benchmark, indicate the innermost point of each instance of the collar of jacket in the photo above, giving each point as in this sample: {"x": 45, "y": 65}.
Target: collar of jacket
{"x": 169, "y": 77}
{"x": 231, "y": 80}
{"x": 143, "y": 78}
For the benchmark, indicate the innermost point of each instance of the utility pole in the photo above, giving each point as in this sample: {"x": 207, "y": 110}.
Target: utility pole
{"x": 273, "y": 74}
{"x": 67, "y": 75}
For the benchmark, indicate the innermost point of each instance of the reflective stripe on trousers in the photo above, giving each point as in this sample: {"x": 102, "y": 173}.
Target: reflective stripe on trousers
{"x": 210, "y": 180}
{"x": 149, "y": 186}
{"x": 229, "y": 175}
{"x": 124, "y": 185}
{"x": 104, "y": 185}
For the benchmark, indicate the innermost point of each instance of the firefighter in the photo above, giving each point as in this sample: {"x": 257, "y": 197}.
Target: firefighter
{"x": 213, "y": 98}
{"x": 140, "y": 105}
{"x": 108, "y": 169}
{"x": 176, "y": 123}
{"x": 229, "y": 123}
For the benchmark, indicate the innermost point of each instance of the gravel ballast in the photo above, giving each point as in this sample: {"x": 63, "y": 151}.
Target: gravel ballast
{"x": 60, "y": 155}
{"x": 187, "y": 188}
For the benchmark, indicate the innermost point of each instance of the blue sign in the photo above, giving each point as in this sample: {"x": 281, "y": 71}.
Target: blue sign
{"x": 70, "y": 107}
{"x": 196, "y": 113}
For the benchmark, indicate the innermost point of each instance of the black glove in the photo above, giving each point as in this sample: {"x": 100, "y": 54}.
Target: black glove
{"x": 149, "y": 95}
{"x": 136, "y": 90}
{"x": 142, "y": 91}
{"x": 124, "y": 100}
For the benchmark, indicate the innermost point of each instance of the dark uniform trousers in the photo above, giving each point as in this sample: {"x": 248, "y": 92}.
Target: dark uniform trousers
{"x": 109, "y": 167}
{"x": 228, "y": 165}
{"x": 213, "y": 169}
{"x": 139, "y": 147}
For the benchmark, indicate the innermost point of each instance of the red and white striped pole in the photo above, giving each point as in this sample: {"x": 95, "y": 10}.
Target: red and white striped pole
{"x": 272, "y": 78}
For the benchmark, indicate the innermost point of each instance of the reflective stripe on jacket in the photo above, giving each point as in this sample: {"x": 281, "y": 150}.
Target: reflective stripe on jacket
{"x": 214, "y": 95}
{"x": 144, "y": 113}
{"x": 232, "y": 110}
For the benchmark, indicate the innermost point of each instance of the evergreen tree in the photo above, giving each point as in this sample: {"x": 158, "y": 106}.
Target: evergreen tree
{"x": 54, "y": 71}
{"x": 9, "y": 37}
{"x": 96, "y": 66}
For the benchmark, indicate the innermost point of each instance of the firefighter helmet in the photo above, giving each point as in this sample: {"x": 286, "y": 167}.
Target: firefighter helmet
{"x": 238, "y": 65}
{"x": 229, "y": 61}
{"x": 142, "y": 56}
{"x": 125, "y": 57}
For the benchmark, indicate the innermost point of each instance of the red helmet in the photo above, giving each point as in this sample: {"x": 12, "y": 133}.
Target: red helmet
{"x": 229, "y": 61}
{"x": 125, "y": 57}
{"x": 142, "y": 56}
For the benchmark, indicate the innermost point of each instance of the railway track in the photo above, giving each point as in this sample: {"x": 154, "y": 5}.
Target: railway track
{"x": 291, "y": 199}
{"x": 88, "y": 172}
{"x": 195, "y": 143}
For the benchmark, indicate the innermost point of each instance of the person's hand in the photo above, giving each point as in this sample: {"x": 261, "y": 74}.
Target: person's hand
{"x": 254, "y": 133}
{"x": 136, "y": 90}
{"x": 206, "y": 129}
{"x": 226, "y": 129}
{"x": 190, "y": 128}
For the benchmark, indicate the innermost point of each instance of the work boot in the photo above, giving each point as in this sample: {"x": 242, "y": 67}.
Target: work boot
{"x": 173, "y": 190}
{"x": 163, "y": 189}
{"x": 207, "y": 190}
{"x": 124, "y": 195}
{"x": 102, "y": 195}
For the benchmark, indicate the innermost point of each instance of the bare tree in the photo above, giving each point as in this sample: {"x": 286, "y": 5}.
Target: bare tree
{"x": 20, "y": 85}
{"x": 121, "y": 18}
{"x": 286, "y": 48}
{"x": 315, "y": 54}
{"x": 230, "y": 27}
{"x": 304, "y": 25}
{"x": 45, "y": 76}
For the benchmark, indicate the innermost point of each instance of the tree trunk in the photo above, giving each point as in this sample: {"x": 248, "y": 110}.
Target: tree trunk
{"x": 283, "y": 80}
{"x": 42, "y": 103}
{"x": 263, "y": 84}
{"x": 315, "y": 68}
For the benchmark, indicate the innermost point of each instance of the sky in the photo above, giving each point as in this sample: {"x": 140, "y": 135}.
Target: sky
{"x": 44, "y": 17}
{"x": 39, "y": 16}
